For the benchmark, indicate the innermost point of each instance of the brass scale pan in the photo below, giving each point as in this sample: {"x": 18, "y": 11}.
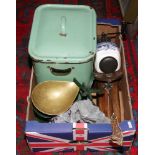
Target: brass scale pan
{"x": 52, "y": 98}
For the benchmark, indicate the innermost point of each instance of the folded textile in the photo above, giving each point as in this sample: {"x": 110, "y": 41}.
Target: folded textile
{"x": 82, "y": 111}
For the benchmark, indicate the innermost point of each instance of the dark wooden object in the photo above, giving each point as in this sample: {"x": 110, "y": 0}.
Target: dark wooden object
{"x": 109, "y": 102}
{"x": 115, "y": 100}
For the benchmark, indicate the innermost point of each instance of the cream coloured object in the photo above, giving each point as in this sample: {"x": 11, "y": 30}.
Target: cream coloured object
{"x": 104, "y": 50}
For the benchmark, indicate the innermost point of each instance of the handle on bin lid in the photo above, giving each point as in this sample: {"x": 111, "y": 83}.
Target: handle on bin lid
{"x": 63, "y": 27}
{"x": 60, "y": 72}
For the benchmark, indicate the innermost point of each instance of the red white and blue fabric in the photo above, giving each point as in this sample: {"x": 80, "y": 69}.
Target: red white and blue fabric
{"x": 39, "y": 142}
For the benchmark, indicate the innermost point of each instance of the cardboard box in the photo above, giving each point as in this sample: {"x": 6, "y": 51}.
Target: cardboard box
{"x": 57, "y": 137}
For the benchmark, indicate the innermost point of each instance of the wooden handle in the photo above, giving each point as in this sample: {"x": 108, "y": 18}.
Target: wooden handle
{"x": 108, "y": 103}
{"x": 102, "y": 104}
{"x": 115, "y": 100}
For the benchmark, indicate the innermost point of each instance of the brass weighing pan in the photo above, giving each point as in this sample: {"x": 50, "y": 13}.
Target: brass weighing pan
{"x": 54, "y": 97}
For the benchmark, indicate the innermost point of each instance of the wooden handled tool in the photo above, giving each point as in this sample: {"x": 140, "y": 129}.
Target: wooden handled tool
{"x": 104, "y": 101}
{"x": 115, "y": 100}
{"x": 103, "y": 106}
{"x": 111, "y": 100}
{"x": 109, "y": 103}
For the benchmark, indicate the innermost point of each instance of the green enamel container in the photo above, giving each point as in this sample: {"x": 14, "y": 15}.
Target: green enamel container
{"x": 63, "y": 43}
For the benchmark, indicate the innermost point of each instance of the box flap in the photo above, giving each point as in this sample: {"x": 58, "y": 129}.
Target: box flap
{"x": 63, "y": 31}
{"x": 50, "y": 137}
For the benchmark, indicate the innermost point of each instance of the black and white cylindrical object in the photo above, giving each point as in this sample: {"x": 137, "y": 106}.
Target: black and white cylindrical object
{"x": 108, "y": 59}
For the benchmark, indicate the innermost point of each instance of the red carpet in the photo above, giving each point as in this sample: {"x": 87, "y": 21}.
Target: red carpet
{"x": 25, "y": 10}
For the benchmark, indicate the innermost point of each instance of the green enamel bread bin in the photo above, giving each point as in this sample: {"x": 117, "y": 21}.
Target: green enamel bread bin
{"x": 62, "y": 43}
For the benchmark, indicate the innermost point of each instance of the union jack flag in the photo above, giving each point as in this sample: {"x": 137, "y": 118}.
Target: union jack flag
{"x": 39, "y": 142}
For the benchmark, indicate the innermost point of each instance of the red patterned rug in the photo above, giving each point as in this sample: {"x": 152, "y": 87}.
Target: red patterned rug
{"x": 25, "y": 11}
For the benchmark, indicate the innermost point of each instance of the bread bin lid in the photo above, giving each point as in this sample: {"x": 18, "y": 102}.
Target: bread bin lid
{"x": 61, "y": 32}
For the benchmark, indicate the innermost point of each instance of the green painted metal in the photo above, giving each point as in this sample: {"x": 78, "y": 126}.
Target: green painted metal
{"x": 62, "y": 37}
{"x": 83, "y": 72}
